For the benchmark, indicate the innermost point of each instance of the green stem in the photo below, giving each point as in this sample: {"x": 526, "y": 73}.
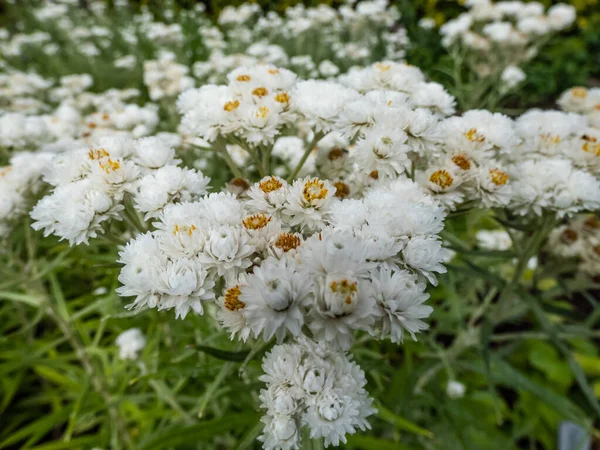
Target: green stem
{"x": 220, "y": 147}
{"x": 307, "y": 152}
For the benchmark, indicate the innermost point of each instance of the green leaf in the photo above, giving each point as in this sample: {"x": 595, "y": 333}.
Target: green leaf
{"x": 223, "y": 354}
{"x": 31, "y": 300}
{"x": 55, "y": 377}
{"x": 363, "y": 442}
{"x": 79, "y": 443}
{"x": 191, "y": 435}
{"x": 249, "y": 437}
{"x": 576, "y": 369}
{"x": 505, "y": 374}
{"x": 401, "y": 423}
{"x": 39, "y": 427}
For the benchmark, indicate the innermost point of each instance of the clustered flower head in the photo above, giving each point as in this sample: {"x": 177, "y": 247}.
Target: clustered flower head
{"x": 312, "y": 385}
{"x": 496, "y": 38}
{"x": 90, "y": 185}
{"x": 579, "y": 238}
{"x": 345, "y": 170}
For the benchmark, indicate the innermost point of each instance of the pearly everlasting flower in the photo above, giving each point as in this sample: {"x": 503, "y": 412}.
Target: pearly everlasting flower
{"x": 274, "y": 297}
{"x": 309, "y": 385}
{"x": 455, "y": 389}
{"x": 399, "y": 298}
{"x": 130, "y": 343}
{"x": 308, "y": 202}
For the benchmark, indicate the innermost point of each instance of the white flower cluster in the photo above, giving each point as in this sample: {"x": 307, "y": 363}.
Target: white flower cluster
{"x": 289, "y": 257}
{"x": 312, "y": 385}
{"x": 579, "y": 238}
{"x": 255, "y": 105}
{"x": 555, "y": 165}
{"x": 583, "y": 101}
{"x": 165, "y": 78}
{"x": 18, "y": 181}
{"x": 498, "y": 37}
{"x": 316, "y": 42}
{"x": 89, "y": 185}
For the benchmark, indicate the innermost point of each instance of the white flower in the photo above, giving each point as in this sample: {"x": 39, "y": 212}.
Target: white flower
{"x": 308, "y": 202}
{"x": 268, "y": 195}
{"x": 274, "y": 296}
{"x": 455, "y": 389}
{"x": 399, "y": 298}
{"x": 493, "y": 239}
{"x": 425, "y": 255}
{"x": 153, "y": 152}
{"x": 130, "y": 343}
{"x": 226, "y": 250}
{"x": 185, "y": 285}
{"x": 512, "y": 76}
{"x": 321, "y": 101}
{"x": 167, "y": 185}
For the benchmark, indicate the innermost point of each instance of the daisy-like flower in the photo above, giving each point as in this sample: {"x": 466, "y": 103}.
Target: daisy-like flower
{"x": 308, "y": 202}
{"x": 399, "y": 298}
{"x": 274, "y": 297}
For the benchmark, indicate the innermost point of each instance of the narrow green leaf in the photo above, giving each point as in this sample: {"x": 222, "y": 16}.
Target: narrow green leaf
{"x": 43, "y": 425}
{"x": 401, "y": 423}
{"x": 79, "y": 443}
{"x": 191, "y": 435}
{"x": 249, "y": 437}
{"x": 578, "y": 372}
{"x": 363, "y": 442}
{"x": 223, "y": 354}
{"x": 55, "y": 377}
{"x": 31, "y": 300}
{"x": 505, "y": 374}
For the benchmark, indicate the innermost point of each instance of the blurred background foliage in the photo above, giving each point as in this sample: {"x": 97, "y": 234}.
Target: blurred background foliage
{"x": 573, "y": 59}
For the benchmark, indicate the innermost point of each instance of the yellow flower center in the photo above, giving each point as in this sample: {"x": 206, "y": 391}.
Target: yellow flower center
{"x": 499, "y": 178}
{"x": 97, "y": 154}
{"x": 287, "y": 242}
{"x": 550, "y": 139}
{"x": 342, "y": 189}
{"x": 262, "y": 112}
{"x": 232, "y": 299}
{"x": 374, "y": 175}
{"x": 314, "y": 190}
{"x": 189, "y": 230}
{"x": 256, "y": 221}
{"x": 270, "y": 185}
{"x": 462, "y": 162}
{"x": 273, "y": 71}
{"x": 579, "y": 92}
{"x": 442, "y": 178}
{"x": 591, "y": 147}
{"x": 474, "y": 136}
{"x": 110, "y": 165}
{"x": 231, "y": 106}
{"x": 243, "y": 78}
{"x": 282, "y": 97}
{"x": 344, "y": 287}
{"x": 4, "y": 171}
{"x": 260, "y": 92}
{"x": 383, "y": 67}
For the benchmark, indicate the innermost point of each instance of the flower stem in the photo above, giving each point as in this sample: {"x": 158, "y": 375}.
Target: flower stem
{"x": 307, "y": 152}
